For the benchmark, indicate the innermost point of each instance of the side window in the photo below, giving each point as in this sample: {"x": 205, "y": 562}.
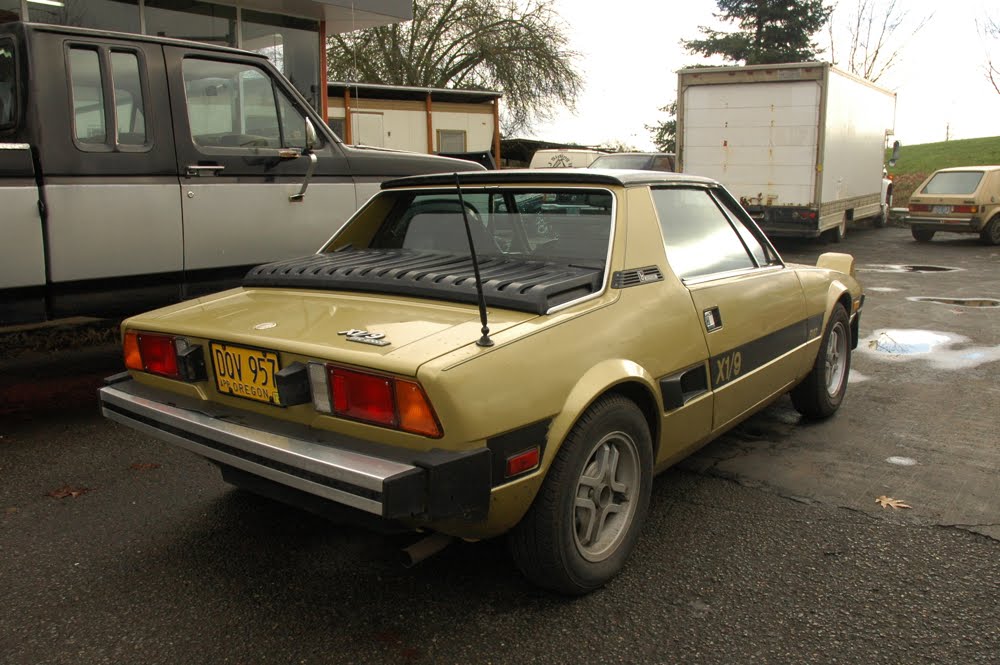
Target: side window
{"x": 89, "y": 69}
{"x": 89, "y": 117}
{"x": 698, "y": 236}
{"x": 8, "y": 85}
{"x": 234, "y": 105}
{"x": 759, "y": 250}
{"x": 129, "y": 107}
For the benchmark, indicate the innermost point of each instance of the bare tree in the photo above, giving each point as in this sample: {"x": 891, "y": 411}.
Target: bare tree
{"x": 873, "y": 28}
{"x": 989, "y": 28}
{"x": 517, "y": 46}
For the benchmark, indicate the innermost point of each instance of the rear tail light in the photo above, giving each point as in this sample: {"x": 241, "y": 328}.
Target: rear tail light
{"x": 168, "y": 356}
{"x": 919, "y": 207}
{"x": 373, "y": 398}
{"x": 968, "y": 210}
{"x": 156, "y": 354}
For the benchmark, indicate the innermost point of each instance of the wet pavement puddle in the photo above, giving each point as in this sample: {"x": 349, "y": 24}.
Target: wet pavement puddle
{"x": 881, "y": 289}
{"x": 934, "y": 347}
{"x": 959, "y": 302}
{"x": 901, "y": 461}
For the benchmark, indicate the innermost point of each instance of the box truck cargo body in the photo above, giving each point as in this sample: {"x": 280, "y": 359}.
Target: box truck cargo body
{"x": 801, "y": 145}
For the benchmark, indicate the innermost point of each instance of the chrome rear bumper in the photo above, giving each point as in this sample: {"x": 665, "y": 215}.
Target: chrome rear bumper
{"x": 392, "y": 484}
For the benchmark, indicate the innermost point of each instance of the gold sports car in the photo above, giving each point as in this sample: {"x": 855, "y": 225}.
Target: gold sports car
{"x": 514, "y": 352}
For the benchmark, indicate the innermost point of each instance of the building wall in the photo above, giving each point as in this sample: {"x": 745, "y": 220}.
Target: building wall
{"x": 404, "y": 123}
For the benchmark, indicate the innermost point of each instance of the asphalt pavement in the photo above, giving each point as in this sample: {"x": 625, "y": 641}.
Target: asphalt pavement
{"x": 766, "y": 547}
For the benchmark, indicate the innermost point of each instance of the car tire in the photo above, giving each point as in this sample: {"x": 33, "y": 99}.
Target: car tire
{"x": 991, "y": 232}
{"x": 585, "y": 519}
{"x": 921, "y": 235}
{"x": 819, "y": 395}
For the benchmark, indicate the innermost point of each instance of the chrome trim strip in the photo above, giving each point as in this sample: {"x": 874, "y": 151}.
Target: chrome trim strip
{"x": 362, "y": 471}
{"x": 15, "y": 146}
{"x": 731, "y": 273}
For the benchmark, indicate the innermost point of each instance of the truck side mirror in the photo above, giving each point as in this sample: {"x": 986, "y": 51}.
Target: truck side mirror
{"x": 311, "y": 138}
{"x": 895, "y": 153}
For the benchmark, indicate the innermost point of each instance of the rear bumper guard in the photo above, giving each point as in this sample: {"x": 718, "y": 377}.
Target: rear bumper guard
{"x": 429, "y": 486}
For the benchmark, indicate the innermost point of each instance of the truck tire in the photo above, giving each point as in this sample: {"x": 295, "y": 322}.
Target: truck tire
{"x": 586, "y": 518}
{"x": 921, "y": 235}
{"x": 837, "y": 233}
{"x": 821, "y": 392}
{"x": 991, "y": 232}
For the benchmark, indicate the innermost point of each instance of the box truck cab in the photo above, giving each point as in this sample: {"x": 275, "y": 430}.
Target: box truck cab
{"x": 137, "y": 170}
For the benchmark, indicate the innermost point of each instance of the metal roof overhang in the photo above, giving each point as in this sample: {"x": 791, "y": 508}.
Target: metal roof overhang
{"x": 340, "y": 15}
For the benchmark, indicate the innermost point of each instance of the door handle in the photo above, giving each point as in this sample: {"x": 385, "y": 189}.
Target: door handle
{"x": 199, "y": 169}
{"x": 713, "y": 319}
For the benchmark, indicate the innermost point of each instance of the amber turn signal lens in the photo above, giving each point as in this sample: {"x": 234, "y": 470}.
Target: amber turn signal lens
{"x": 415, "y": 413}
{"x": 523, "y": 461}
{"x": 133, "y": 359}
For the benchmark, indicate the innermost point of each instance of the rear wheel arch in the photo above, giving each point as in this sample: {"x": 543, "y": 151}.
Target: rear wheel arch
{"x": 613, "y": 376}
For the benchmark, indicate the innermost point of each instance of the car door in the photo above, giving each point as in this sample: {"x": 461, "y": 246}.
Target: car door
{"x": 752, "y": 306}
{"x": 240, "y": 135}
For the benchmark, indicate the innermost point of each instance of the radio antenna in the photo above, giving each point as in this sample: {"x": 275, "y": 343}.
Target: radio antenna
{"x": 485, "y": 339}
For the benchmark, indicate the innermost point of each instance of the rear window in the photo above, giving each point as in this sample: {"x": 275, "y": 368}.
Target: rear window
{"x": 953, "y": 182}
{"x": 570, "y": 226}
{"x": 8, "y": 100}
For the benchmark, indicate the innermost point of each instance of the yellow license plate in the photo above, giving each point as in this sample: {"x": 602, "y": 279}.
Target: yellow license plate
{"x": 245, "y": 372}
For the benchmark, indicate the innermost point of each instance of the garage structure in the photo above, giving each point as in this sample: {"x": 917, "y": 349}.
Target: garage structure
{"x": 292, "y": 33}
{"x": 431, "y": 120}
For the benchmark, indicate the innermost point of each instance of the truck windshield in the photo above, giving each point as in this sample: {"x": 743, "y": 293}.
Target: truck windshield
{"x": 953, "y": 182}
{"x": 7, "y": 97}
{"x": 571, "y": 226}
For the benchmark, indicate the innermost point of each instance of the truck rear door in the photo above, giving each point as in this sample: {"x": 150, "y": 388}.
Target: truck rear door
{"x": 106, "y": 155}
{"x": 759, "y": 139}
{"x": 240, "y": 132}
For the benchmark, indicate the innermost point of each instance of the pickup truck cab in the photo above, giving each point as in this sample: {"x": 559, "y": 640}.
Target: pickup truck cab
{"x": 137, "y": 170}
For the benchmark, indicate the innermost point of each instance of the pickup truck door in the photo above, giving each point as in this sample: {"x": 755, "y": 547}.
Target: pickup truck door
{"x": 240, "y": 132}
{"x": 752, "y": 307}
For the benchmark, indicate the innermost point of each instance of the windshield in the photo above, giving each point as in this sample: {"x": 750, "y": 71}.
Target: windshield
{"x": 567, "y": 226}
{"x": 953, "y": 182}
{"x": 622, "y": 162}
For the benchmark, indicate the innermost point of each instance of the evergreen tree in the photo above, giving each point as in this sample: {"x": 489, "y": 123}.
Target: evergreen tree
{"x": 770, "y": 31}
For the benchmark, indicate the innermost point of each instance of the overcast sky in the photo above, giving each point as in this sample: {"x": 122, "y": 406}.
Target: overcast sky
{"x": 630, "y": 51}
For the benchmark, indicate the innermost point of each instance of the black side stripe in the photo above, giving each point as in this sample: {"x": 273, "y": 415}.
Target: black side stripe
{"x": 734, "y": 363}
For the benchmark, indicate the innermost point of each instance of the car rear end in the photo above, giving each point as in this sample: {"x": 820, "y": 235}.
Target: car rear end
{"x": 951, "y": 200}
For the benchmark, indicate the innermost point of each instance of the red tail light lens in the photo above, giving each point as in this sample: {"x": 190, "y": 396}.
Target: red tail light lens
{"x": 151, "y": 353}
{"x": 919, "y": 207}
{"x": 361, "y": 396}
{"x": 381, "y": 400}
{"x": 967, "y": 210}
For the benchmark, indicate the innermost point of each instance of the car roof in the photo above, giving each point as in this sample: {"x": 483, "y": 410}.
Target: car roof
{"x": 990, "y": 167}
{"x": 570, "y": 176}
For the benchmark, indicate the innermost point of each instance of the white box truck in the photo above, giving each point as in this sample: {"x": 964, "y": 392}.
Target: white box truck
{"x": 802, "y": 145}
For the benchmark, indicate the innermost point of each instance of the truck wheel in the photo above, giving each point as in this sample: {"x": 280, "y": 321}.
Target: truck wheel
{"x": 586, "y": 518}
{"x": 836, "y": 234}
{"x": 921, "y": 235}
{"x": 991, "y": 232}
{"x": 821, "y": 392}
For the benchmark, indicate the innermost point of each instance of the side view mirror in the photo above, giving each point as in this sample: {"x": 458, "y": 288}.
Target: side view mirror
{"x": 312, "y": 139}
{"x": 895, "y": 153}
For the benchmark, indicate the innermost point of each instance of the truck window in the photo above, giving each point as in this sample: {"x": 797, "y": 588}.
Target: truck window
{"x": 88, "y": 97}
{"x": 90, "y": 108}
{"x": 7, "y": 84}
{"x": 233, "y": 105}
{"x": 128, "y": 98}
